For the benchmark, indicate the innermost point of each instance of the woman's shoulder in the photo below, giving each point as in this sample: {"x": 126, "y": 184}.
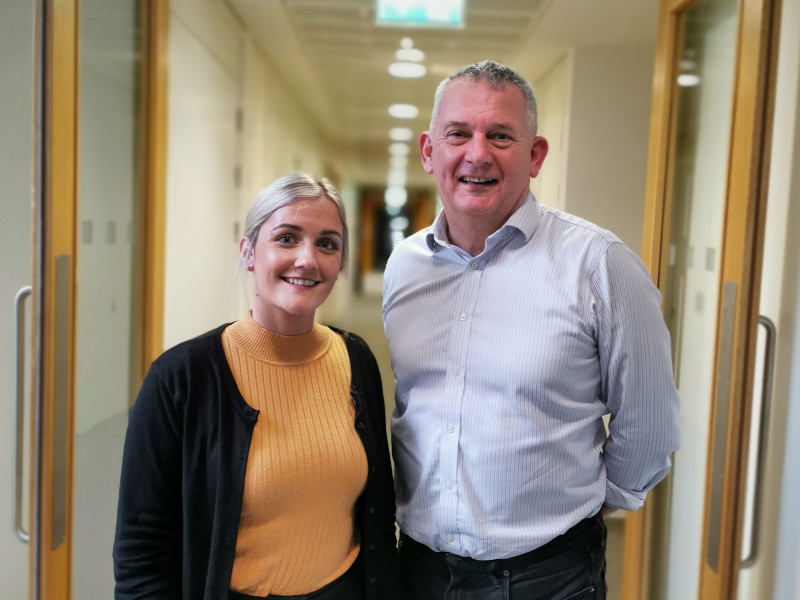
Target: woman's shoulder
{"x": 201, "y": 351}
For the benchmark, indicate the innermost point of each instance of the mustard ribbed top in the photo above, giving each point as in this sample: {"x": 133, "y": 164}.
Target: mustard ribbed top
{"x": 306, "y": 467}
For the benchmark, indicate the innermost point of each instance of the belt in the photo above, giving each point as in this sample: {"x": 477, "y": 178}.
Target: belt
{"x": 554, "y": 547}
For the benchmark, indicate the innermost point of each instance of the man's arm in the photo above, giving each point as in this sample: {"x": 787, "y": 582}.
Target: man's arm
{"x": 636, "y": 374}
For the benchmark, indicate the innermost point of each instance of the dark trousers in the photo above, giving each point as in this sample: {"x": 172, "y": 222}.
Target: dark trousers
{"x": 349, "y": 586}
{"x": 569, "y": 567}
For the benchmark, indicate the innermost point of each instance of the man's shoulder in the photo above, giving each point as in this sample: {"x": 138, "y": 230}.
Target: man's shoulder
{"x": 559, "y": 222}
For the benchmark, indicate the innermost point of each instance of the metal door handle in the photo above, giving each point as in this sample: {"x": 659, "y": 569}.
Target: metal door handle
{"x": 766, "y": 400}
{"x": 19, "y": 390}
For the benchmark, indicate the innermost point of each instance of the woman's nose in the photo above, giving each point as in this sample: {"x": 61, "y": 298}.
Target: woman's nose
{"x": 306, "y": 257}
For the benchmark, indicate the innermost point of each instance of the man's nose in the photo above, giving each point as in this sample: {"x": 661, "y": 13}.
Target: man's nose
{"x": 478, "y": 150}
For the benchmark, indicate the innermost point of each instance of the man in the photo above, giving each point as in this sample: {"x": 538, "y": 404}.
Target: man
{"x": 513, "y": 329}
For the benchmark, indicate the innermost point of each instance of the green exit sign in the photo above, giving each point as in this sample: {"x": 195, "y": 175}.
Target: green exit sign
{"x": 420, "y": 13}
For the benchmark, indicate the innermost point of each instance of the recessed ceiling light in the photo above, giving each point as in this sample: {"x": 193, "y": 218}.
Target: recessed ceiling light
{"x": 400, "y": 134}
{"x": 403, "y": 111}
{"x": 407, "y": 70}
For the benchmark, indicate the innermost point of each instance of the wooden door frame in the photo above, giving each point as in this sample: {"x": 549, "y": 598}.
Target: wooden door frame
{"x": 742, "y": 247}
{"x": 55, "y": 248}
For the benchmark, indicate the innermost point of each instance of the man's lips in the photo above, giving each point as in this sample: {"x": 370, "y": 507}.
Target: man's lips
{"x": 477, "y": 180}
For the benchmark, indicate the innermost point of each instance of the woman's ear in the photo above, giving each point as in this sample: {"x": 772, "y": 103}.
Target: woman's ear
{"x": 246, "y": 252}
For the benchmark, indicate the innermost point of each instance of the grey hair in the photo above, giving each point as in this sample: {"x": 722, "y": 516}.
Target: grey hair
{"x": 288, "y": 189}
{"x": 497, "y": 76}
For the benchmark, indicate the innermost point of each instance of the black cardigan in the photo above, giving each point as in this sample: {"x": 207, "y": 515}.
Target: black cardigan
{"x": 183, "y": 471}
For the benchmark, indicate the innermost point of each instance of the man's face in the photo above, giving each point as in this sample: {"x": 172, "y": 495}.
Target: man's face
{"x": 481, "y": 152}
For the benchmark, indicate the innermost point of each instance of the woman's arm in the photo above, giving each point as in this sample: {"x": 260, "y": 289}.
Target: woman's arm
{"x": 147, "y": 546}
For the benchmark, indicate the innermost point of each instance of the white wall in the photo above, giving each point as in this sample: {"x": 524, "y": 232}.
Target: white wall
{"x": 608, "y": 135}
{"x": 216, "y": 69}
{"x": 205, "y": 74}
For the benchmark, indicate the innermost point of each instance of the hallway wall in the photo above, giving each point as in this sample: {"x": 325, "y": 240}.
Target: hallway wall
{"x": 233, "y": 128}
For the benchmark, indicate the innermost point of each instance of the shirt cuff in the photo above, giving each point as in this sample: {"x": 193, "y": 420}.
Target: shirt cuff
{"x": 623, "y": 499}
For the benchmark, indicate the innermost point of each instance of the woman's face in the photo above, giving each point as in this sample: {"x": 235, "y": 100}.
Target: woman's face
{"x": 295, "y": 262}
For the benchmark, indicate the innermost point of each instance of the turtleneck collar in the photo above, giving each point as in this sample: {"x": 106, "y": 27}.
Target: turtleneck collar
{"x": 266, "y": 346}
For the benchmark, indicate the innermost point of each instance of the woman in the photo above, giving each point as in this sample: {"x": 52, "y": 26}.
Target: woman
{"x": 256, "y": 462}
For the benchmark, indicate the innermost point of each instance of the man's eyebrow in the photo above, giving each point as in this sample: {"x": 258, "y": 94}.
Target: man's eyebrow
{"x": 492, "y": 126}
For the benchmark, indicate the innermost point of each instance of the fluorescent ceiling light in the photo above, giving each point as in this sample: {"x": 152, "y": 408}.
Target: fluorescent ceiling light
{"x": 395, "y": 197}
{"x": 410, "y": 55}
{"x": 399, "y": 223}
{"x": 688, "y": 79}
{"x": 398, "y": 149}
{"x": 398, "y": 162}
{"x": 403, "y": 111}
{"x": 420, "y": 13}
{"x": 400, "y": 134}
{"x": 396, "y": 178}
{"x": 407, "y": 70}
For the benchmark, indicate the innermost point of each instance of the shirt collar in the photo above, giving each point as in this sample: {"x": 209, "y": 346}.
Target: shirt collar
{"x": 525, "y": 220}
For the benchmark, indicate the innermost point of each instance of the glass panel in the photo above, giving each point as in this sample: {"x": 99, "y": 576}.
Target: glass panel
{"x": 110, "y": 40}
{"x": 16, "y": 266}
{"x": 704, "y": 92}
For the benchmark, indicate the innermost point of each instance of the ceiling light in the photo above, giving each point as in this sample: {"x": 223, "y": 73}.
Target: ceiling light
{"x": 400, "y": 134}
{"x": 403, "y": 111}
{"x": 399, "y": 223}
{"x": 398, "y": 162}
{"x": 407, "y": 70}
{"x": 395, "y": 197}
{"x": 410, "y": 54}
{"x": 398, "y": 149}
{"x": 688, "y": 80}
{"x": 396, "y": 178}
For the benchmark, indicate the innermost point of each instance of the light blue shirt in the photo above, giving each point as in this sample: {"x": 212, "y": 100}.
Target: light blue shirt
{"x": 505, "y": 363}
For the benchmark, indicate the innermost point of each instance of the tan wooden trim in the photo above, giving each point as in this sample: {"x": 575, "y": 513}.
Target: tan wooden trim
{"x": 154, "y": 124}
{"x": 655, "y": 239}
{"x": 742, "y": 249}
{"x": 60, "y": 214}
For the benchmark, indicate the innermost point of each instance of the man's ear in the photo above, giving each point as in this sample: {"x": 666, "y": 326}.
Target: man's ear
{"x": 425, "y": 151}
{"x": 538, "y": 152}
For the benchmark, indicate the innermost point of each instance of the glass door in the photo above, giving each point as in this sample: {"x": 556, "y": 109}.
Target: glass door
{"x": 109, "y": 245}
{"x": 703, "y": 236}
{"x": 82, "y": 152}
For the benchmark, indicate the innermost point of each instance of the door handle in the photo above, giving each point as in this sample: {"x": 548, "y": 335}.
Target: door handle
{"x": 766, "y": 400}
{"x": 19, "y": 392}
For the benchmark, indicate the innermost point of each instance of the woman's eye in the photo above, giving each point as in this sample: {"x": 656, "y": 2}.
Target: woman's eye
{"x": 328, "y": 245}
{"x": 285, "y": 239}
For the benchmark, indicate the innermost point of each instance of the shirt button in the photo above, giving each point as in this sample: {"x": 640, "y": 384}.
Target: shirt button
{"x": 449, "y": 485}
{"x": 456, "y": 372}
{"x": 372, "y": 510}
{"x": 450, "y": 429}
{"x": 449, "y": 539}
{"x": 462, "y": 316}
{"x": 473, "y": 266}
{"x": 372, "y": 580}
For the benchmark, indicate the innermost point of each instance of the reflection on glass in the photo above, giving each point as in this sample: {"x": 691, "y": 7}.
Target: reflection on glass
{"x": 704, "y": 92}
{"x": 107, "y": 199}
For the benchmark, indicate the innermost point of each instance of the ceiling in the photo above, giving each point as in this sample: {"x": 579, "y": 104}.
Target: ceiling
{"x": 335, "y": 58}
